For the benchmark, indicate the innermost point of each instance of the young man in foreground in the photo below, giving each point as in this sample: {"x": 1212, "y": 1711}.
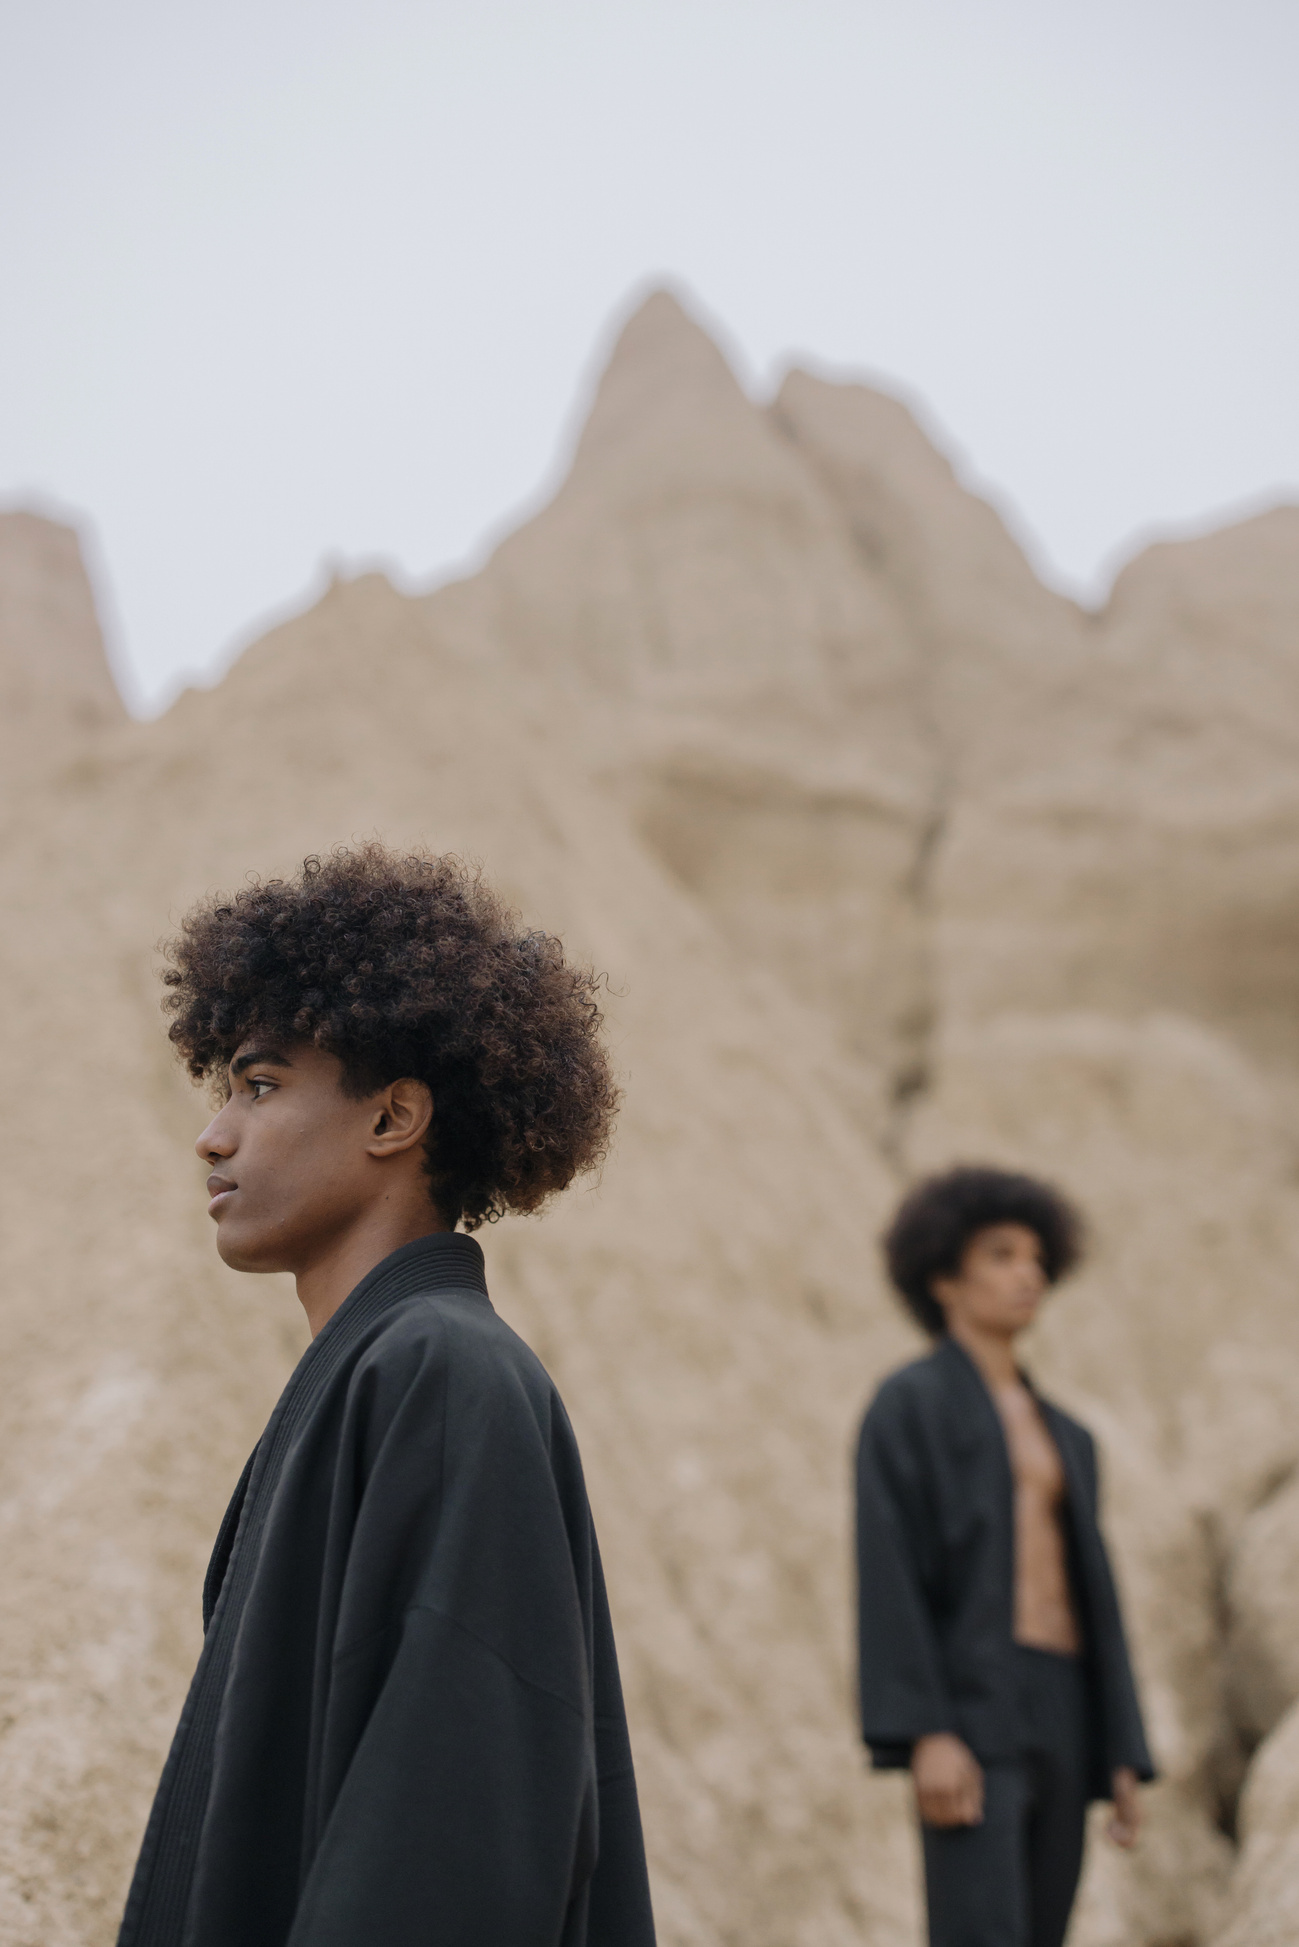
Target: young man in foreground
{"x": 406, "y": 1724}
{"x": 993, "y": 1661}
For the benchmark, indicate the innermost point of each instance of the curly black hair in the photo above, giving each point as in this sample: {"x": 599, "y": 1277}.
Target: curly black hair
{"x": 937, "y": 1219}
{"x": 411, "y": 966}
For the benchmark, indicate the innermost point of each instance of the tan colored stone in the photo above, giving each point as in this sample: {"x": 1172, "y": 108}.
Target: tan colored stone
{"x": 1262, "y": 1596}
{"x": 51, "y": 649}
{"x": 892, "y": 856}
{"x": 1265, "y": 1890}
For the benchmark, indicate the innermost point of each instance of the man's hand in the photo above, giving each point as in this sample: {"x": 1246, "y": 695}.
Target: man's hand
{"x": 948, "y": 1780}
{"x": 1126, "y": 1822}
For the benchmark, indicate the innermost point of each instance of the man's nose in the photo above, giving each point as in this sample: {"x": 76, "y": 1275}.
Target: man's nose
{"x": 215, "y": 1141}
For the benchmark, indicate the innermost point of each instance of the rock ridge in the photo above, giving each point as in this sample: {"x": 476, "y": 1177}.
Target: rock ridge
{"x": 893, "y": 857}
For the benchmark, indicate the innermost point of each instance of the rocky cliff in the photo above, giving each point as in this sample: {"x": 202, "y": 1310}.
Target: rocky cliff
{"x": 893, "y": 856}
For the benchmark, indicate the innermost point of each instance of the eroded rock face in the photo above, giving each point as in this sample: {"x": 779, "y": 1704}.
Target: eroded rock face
{"x": 1264, "y": 1907}
{"x": 1263, "y": 1603}
{"x": 52, "y": 663}
{"x": 893, "y": 857}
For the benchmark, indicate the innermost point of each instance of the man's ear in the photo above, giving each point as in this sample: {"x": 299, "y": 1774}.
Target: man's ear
{"x": 401, "y": 1117}
{"x": 943, "y": 1293}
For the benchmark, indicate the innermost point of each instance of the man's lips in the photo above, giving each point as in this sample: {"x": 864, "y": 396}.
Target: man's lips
{"x": 218, "y": 1189}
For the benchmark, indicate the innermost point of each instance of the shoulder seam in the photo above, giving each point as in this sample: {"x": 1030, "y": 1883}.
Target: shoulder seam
{"x": 430, "y": 1609}
{"x": 444, "y": 1615}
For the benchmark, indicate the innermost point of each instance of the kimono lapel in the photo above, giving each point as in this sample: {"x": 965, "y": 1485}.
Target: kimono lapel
{"x": 976, "y": 1423}
{"x": 1066, "y": 1446}
{"x": 223, "y": 1547}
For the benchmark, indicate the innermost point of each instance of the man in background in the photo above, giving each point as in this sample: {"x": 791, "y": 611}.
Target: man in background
{"x": 992, "y": 1653}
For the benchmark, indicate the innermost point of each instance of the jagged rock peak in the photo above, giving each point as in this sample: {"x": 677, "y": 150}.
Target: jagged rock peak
{"x": 907, "y": 501}
{"x": 51, "y": 646}
{"x": 664, "y": 365}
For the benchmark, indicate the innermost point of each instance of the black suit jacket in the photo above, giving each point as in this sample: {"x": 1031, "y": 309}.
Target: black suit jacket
{"x": 935, "y": 1557}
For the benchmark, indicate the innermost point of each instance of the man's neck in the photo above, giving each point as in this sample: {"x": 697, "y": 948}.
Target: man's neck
{"x": 992, "y": 1352}
{"x": 327, "y": 1281}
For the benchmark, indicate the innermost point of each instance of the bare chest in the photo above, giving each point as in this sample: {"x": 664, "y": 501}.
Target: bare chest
{"x": 1035, "y": 1462}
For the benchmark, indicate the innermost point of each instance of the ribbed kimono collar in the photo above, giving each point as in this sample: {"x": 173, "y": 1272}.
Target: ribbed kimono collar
{"x": 955, "y": 1356}
{"x": 977, "y": 1408}
{"x": 445, "y": 1260}
{"x": 952, "y": 1354}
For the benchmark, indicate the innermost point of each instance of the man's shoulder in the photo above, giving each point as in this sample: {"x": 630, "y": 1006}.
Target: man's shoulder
{"x": 907, "y": 1388}
{"x": 455, "y": 1339}
{"x": 918, "y": 1379}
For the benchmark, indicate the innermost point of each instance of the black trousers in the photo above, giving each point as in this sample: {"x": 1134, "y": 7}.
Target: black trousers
{"x": 1010, "y": 1882}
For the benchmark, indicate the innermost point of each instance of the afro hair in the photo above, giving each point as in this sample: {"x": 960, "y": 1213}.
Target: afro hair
{"x": 937, "y": 1219}
{"x": 411, "y": 966}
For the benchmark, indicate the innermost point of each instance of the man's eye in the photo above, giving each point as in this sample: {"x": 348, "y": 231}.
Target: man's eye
{"x": 256, "y": 1089}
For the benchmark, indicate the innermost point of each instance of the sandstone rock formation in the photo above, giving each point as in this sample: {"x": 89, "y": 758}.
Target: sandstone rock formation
{"x": 54, "y": 677}
{"x": 892, "y": 856}
{"x": 1264, "y": 1883}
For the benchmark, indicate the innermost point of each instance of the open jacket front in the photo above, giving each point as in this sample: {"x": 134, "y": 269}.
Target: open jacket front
{"x": 936, "y": 1574}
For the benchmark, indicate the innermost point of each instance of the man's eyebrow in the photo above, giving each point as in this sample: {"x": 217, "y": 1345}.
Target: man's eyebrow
{"x": 266, "y": 1055}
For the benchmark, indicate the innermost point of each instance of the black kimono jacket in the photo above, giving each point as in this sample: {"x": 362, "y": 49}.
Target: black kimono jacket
{"x": 936, "y": 1573}
{"x": 406, "y": 1724}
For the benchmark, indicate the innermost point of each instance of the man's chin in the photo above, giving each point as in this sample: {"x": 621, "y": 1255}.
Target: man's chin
{"x": 243, "y": 1253}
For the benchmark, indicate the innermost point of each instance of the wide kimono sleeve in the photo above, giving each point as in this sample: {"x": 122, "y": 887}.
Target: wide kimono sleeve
{"x": 901, "y": 1684}
{"x": 456, "y": 1782}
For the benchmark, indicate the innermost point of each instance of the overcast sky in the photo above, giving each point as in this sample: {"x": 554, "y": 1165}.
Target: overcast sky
{"x": 303, "y": 279}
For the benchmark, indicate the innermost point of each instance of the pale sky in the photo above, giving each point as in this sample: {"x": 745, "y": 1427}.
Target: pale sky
{"x": 304, "y": 280}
